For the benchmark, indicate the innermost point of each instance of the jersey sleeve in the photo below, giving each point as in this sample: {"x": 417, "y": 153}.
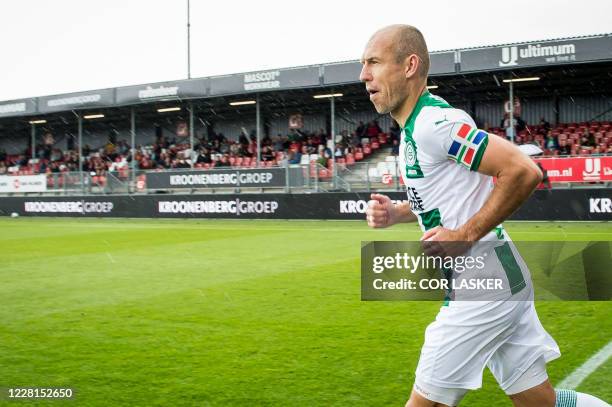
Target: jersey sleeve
{"x": 454, "y": 136}
{"x": 468, "y": 145}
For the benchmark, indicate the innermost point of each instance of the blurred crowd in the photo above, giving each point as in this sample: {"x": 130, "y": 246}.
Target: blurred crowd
{"x": 214, "y": 150}
{"x": 294, "y": 147}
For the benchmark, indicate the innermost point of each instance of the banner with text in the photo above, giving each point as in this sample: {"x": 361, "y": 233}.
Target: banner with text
{"x": 577, "y": 169}
{"x": 23, "y": 183}
{"x": 258, "y": 178}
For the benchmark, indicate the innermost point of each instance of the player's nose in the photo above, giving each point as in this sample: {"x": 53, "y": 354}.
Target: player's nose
{"x": 365, "y": 75}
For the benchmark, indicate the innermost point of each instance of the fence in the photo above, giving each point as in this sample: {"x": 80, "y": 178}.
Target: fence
{"x": 356, "y": 177}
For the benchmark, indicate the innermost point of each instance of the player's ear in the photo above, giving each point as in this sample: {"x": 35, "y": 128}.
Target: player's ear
{"x": 411, "y": 66}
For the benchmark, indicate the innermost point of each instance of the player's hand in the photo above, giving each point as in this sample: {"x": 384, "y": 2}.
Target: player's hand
{"x": 443, "y": 242}
{"x": 381, "y": 211}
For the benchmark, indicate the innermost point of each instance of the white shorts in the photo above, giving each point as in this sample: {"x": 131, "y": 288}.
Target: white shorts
{"x": 466, "y": 336}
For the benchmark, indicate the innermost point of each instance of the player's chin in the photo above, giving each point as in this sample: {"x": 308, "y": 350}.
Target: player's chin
{"x": 381, "y": 109}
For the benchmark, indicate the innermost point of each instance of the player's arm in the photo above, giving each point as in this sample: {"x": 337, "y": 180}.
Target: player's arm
{"x": 382, "y": 212}
{"x": 517, "y": 177}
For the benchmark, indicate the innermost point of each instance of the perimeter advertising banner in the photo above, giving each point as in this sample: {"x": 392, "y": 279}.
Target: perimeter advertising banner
{"x": 567, "y": 204}
{"x": 80, "y": 100}
{"x": 192, "y": 88}
{"x": 276, "y": 79}
{"x": 536, "y": 54}
{"x": 23, "y": 183}
{"x": 259, "y": 178}
{"x": 577, "y": 169}
{"x": 19, "y": 107}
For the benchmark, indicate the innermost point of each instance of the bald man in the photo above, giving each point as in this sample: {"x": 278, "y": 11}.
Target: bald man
{"x": 448, "y": 166}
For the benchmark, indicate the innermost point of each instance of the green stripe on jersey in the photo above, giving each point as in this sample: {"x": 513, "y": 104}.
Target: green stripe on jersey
{"x": 511, "y": 267}
{"x": 431, "y": 219}
{"x": 471, "y": 135}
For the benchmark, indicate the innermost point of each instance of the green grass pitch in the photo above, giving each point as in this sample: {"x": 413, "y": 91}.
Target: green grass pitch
{"x": 224, "y": 313}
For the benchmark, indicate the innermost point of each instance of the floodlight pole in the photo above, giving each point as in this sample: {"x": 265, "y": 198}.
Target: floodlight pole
{"x": 333, "y": 139}
{"x": 191, "y": 134}
{"x": 33, "y": 133}
{"x": 133, "y": 142}
{"x": 258, "y": 132}
{"x": 188, "y": 40}
{"x": 80, "y": 135}
{"x": 511, "y": 111}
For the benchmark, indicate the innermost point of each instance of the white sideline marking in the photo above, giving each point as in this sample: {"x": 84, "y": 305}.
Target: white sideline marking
{"x": 577, "y": 376}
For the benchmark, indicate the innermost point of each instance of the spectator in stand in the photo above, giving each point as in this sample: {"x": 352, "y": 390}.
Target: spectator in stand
{"x": 520, "y": 124}
{"x": 323, "y": 157}
{"x": 355, "y": 140}
{"x": 587, "y": 140}
{"x": 182, "y": 163}
{"x": 267, "y": 154}
{"x": 564, "y": 148}
{"x": 266, "y": 140}
{"x": 277, "y": 143}
{"x": 222, "y": 162}
{"x": 294, "y": 136}
{"x": 242, "y": 139}
{"x": 361, "y": 130}
{"x": 310, "y": 145}
{"x": 295, "y": 157}
{"x": 551, "y": 142}
{"x": 123, "y": 148}
{"x": 203, "y": 157}
{"x": 373, "y": 129}
{"x": 339, "y": 151}
{"x": 544, "y": 125}
{"x": 345, "y": 139}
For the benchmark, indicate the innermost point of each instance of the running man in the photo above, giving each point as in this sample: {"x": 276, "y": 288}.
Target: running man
{"x": 447, "y": 166}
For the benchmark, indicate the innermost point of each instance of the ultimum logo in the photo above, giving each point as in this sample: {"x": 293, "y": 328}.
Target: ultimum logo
{"x": 553, "y": 53}
{"x": 592, "y": 169}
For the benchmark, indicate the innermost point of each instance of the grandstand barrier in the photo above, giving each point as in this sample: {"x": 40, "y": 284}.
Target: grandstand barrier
{"x": 562, "y": 204}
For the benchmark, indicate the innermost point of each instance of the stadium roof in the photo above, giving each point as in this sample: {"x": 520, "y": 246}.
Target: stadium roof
{"x": 453, "y": 65}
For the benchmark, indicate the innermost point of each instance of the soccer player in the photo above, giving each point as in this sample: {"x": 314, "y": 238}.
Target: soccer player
{"x": 447, "y": 165}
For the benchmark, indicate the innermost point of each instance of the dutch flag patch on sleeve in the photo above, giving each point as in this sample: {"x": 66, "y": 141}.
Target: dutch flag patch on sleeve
{"x": 468, "y": 145}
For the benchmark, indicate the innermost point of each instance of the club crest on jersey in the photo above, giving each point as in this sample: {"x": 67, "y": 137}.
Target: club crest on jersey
{"x": 410, "y": 154}
{"x": 468, "y": 145}
{"x": 413, "y": 169}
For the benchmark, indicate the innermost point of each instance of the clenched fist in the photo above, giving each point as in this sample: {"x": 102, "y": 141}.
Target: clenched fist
{"x": 381, "y": 212}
